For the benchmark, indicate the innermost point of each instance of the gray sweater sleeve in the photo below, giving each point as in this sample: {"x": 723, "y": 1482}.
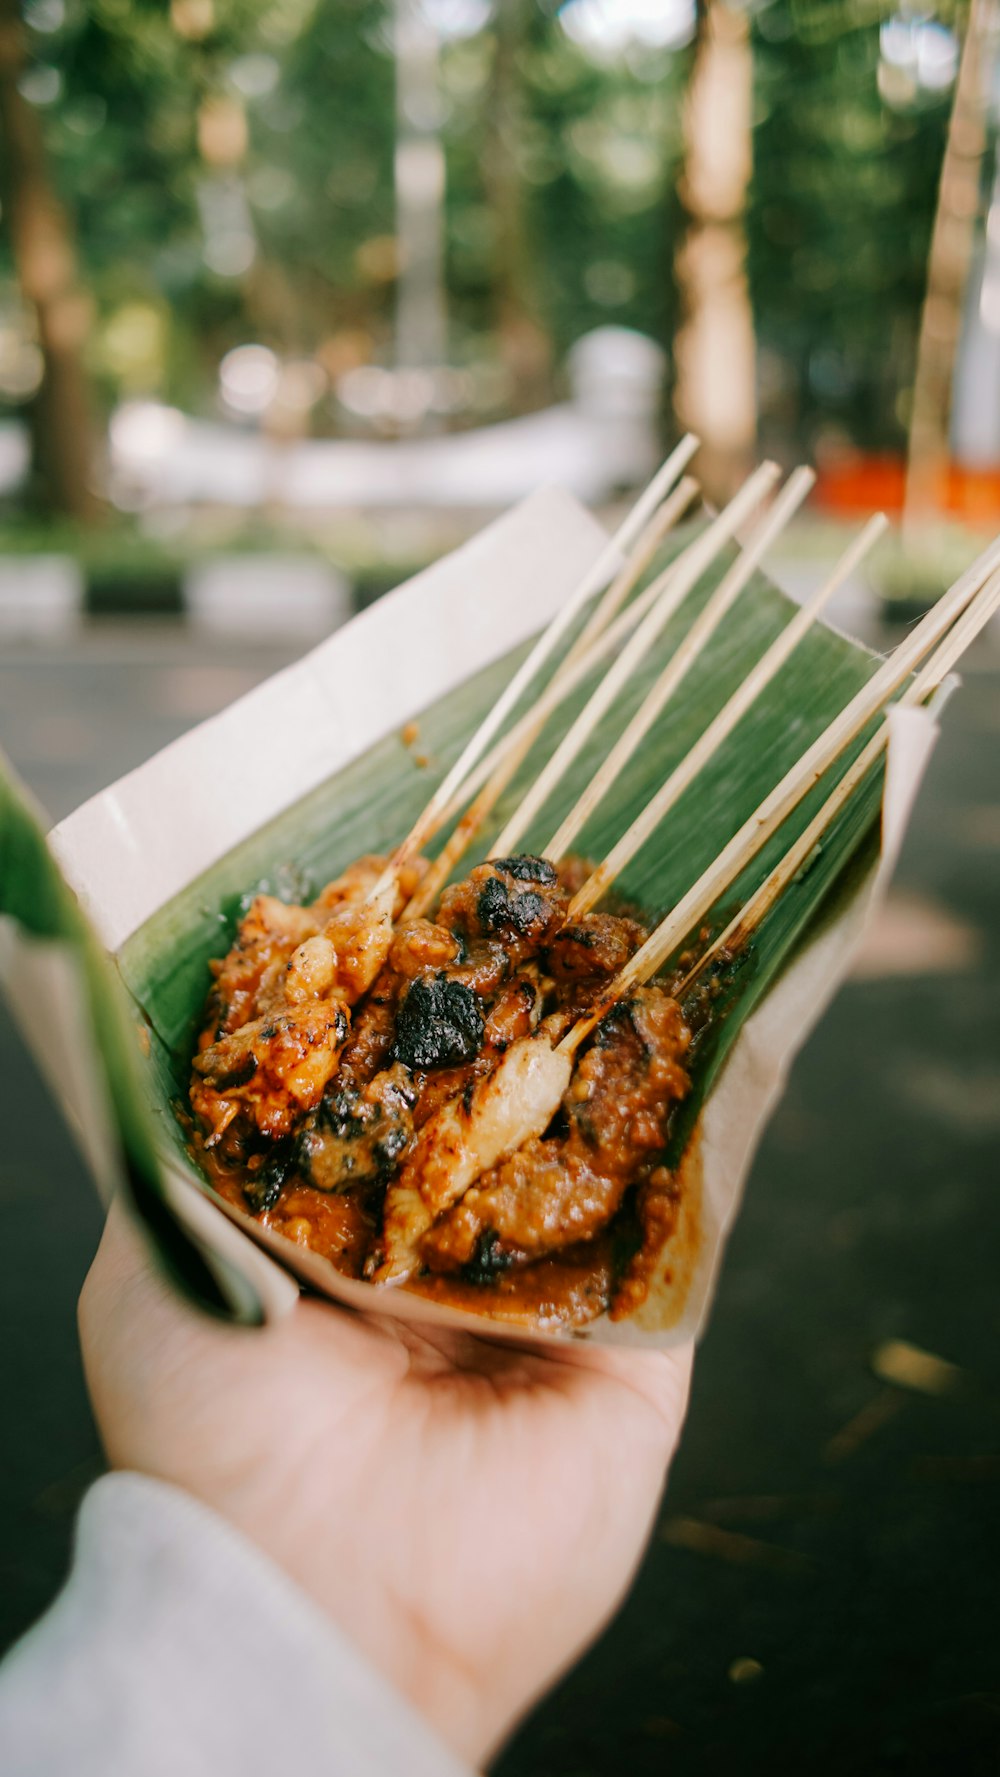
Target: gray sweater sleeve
{"x": 176, "y": 1646}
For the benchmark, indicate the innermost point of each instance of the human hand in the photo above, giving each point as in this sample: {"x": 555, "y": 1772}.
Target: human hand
{"x": 470, "y": 1514}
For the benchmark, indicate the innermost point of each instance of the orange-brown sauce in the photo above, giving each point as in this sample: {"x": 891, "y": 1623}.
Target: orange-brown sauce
{"x": 556, "y": 1292}
{"x": 564, "y": 1229}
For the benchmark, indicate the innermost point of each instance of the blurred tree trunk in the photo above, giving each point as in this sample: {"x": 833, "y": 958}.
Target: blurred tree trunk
{"x": 421, "y": 314}
{"x": 715, "y": 393}
{"x": 525, "y": 346}
{"x": 45, "y": 258}
{"x": 947, "y": 278}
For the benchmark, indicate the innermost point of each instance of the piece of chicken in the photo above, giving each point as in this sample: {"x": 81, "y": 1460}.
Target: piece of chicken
{"x": 362, "y": 907}
{"x": 566, "y": 1187}
{"x": 284, "y": 954}
{"x": 361, "y": 932}
{"x": 352, "y": 885}
{"x": 468, "y": 1136}
{"x": 267, "y": 935}
{"x": 278, "y": 1013}
{"x": 270, "y": 1070}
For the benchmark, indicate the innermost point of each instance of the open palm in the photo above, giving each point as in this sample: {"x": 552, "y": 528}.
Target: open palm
{"x": 469, "y": 1513}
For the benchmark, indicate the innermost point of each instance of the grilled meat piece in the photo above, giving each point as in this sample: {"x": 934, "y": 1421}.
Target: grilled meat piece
{"x": 564, "y": 1187}
{"x": 359, "y": 1137}
{"x": 439, "y": 1024}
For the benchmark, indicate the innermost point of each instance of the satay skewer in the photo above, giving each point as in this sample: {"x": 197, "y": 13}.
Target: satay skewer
{"x": 687, "y": 572}
{"x": 786, "y": 795}
{"x": 520, "y": 1097}
{"x": 663, "y": 521}
{"x": 509, "y": 754}
{"x": 708, "y": 743}
{"x": 376, "y": 917}
{"x": 567, "y": 679}
{"x": 765, "y": 533}
{"x": 593, "y": 580}
{"x": 927, "y": 681}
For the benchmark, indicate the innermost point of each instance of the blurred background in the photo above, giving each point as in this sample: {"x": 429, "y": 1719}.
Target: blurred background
{"x": 295, "y": 294}
{"x": 339, "y": 277}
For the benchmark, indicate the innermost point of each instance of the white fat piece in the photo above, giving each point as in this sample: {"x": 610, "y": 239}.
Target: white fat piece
{"x": 516, "y": 1102}
{"x": 405, "y": 1220}
{"x": 458, "y": 1144}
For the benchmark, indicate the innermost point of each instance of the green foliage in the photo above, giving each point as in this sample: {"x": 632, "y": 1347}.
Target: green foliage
{"x": 842, "y": 199}
{"x": 843, "y": 206}
{"x": 595, "y": 152}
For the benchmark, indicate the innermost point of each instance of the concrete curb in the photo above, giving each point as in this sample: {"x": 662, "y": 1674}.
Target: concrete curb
{"x": 256, "y": 595}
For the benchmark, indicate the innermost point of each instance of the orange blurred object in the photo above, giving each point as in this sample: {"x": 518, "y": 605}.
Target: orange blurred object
{"x": 852, "y": 485}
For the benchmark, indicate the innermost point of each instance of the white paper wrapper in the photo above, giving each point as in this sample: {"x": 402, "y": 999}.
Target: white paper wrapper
{"x": 754, "y": 1075}
{"x": 130, "y": 849}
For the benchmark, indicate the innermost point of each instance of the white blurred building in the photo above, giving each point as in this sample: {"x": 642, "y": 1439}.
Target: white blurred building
{"x": 604, "y": 438}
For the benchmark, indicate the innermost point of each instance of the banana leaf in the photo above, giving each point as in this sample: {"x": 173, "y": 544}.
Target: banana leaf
{"x": 66, "y": 991}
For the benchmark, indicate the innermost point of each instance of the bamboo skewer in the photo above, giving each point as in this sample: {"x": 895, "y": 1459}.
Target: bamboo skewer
{"x": 778, "y": 804}
{"x": 510, "y": 752}
{"x": 984, "y": 606}
{"x": 658, "y": 529}
{"x": 531, "y": 1080}
{"x": 595, "y": 578}
{"x": 693, "y": 763}
{"x": 685, "y": 575}
{"x": 750, "y": 916}
{"x": 568, "y": 678}
{"x": 699, "y": 635}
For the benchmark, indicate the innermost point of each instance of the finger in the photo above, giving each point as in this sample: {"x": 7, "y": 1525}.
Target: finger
{"x": 122, "y": 1273}
{"x": 134, "y": 1325}
{"x": 122, "y": 1254}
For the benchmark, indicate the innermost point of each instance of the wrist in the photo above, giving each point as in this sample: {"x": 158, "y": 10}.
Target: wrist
{"x": 455, "y": 1699}
{"x": 448, "y": 1691}
{"x": 166, "y": 1604}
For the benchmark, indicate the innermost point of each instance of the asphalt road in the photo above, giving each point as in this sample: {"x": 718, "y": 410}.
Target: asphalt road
{"x": 820, "y": 1593}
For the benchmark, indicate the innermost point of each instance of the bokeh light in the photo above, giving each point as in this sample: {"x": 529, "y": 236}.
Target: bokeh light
{"x": 607, "y": 28}
{"x": 248, "y": 379}
{"x": 919, "y": 54}
{"x": 457, "y": 19}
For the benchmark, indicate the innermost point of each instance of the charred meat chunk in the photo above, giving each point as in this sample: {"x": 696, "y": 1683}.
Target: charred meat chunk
{"x": 440, "y": 1024}
{"x": 358, "y": 1138}
{"x": 525, "y": 868}
{"x": 497, "y": 903}
{"x": 265, "y": 1185}
{"x": 490, "y": 1258}
{"x": 592, "y": 946}
{"x": 500, "y": 911}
